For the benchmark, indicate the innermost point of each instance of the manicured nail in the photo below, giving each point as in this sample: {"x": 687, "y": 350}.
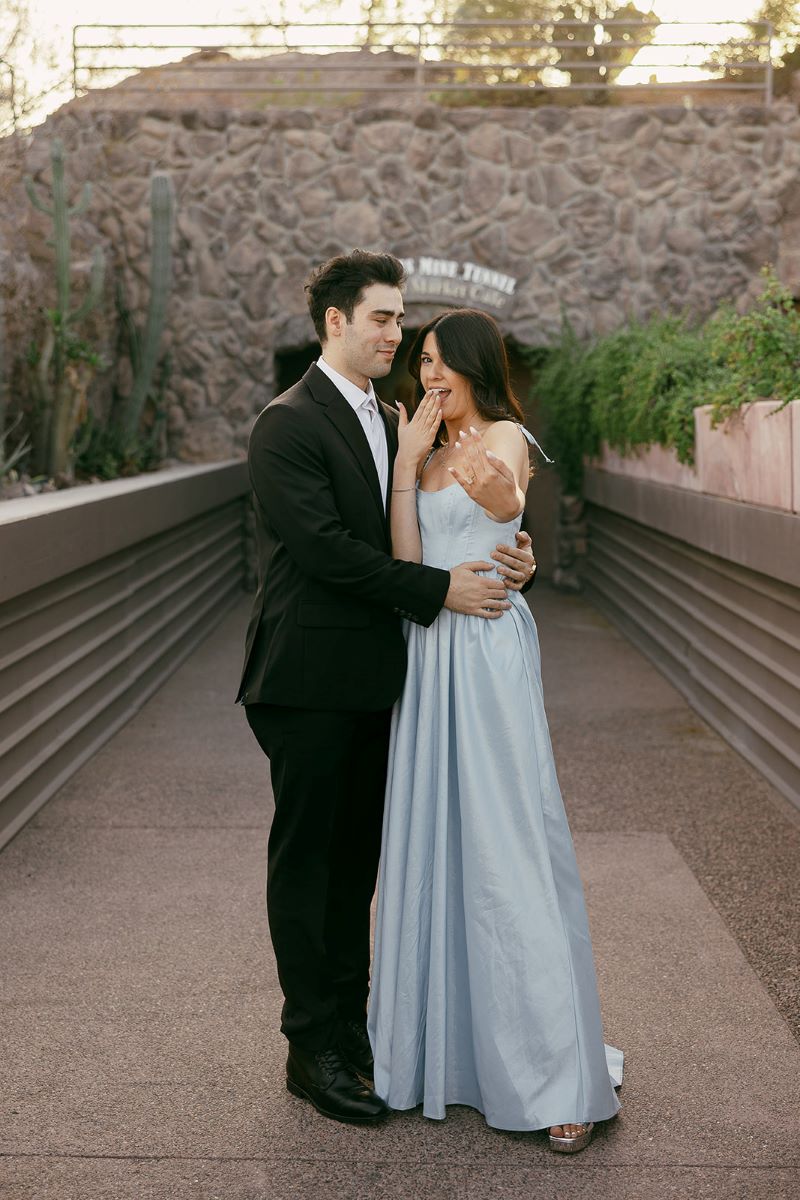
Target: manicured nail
{"x": 450, "y": 469}
{"x": 472, "y": 429}
{"x": 458, "y": 444}
{"x": 461, "y": 434}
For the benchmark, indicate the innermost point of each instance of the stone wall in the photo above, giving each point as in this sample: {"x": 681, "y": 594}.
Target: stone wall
{"x": 604, "y": 214}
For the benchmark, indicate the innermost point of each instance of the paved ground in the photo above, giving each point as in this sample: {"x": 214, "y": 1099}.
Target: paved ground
{"x": 138, "y": 998}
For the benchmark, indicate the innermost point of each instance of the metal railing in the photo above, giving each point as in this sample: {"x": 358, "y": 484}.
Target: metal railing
{"x": 434, "y": 57}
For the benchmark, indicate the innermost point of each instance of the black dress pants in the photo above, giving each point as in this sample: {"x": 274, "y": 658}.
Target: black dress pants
{"x": 328, "y": 773}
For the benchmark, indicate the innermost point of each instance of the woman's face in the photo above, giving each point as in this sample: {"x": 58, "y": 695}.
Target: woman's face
{"x": 457, "y": 400}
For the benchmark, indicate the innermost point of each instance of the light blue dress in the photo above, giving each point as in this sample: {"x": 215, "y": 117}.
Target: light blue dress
{"x": 483, "y": 984}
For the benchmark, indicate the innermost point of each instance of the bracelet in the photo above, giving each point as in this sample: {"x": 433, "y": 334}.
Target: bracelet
{"x": 404, "y": 489}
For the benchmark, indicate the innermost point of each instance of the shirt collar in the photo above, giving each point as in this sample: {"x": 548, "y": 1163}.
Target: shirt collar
{"x": 353, "y": 394}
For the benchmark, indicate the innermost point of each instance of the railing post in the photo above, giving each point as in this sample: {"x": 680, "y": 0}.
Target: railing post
{"x": 614, "y": 48}
{"x": 75, "y": 29}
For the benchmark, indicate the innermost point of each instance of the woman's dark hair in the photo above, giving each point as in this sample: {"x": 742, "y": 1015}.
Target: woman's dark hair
{"x": 340, "y": 282}
{"x": 471, "y": 344}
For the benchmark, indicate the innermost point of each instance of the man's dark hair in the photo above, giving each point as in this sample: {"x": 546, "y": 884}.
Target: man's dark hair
{"x": 340, "y": 283}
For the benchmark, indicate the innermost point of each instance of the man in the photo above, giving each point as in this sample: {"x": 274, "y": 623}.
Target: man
{"x": 325, "y": 660}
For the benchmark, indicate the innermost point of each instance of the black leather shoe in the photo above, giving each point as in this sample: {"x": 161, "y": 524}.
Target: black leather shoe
{"x": 324, "y": 1079}
{"x": 355, "y": 1047}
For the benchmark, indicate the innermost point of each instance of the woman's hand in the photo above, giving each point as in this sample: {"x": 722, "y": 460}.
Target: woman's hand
{"x": 517, "y": 562}
{"x": 415, "y": 437}
{"x": 486, "y": 478}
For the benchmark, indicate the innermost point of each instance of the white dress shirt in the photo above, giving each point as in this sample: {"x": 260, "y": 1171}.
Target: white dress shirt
{"x": 365, "y": 406}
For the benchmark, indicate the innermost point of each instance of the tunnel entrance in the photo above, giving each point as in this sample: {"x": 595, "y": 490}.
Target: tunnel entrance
{"x": 398, "y": 386}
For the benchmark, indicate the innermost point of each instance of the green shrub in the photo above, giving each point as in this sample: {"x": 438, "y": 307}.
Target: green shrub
{"x": 757, "y": 354}
{"x": 564, "y": 384}
{"x": 640, "y": 385}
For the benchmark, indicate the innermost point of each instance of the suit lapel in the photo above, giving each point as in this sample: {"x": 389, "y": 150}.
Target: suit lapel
{"x": 389, "y": 418}
{"x": 340, "y": 414}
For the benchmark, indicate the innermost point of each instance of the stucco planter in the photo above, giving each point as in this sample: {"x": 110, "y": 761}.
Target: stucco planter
{"x": 754, "y": 457}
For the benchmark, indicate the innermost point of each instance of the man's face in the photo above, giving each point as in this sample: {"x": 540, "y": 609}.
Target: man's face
{"x": 368, "y": 343}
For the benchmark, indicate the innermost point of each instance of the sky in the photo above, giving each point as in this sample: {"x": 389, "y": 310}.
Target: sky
{"x": 53, "y": 20}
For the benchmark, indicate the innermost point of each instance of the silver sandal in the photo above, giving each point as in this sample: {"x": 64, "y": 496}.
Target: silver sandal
{"x": 578, "y": 1141}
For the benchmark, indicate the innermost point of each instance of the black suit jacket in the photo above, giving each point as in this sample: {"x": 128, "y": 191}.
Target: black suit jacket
{"x": 325, "y": 631}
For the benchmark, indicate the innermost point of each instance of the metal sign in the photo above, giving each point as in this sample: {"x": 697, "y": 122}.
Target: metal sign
{"x": 448, "y": 281}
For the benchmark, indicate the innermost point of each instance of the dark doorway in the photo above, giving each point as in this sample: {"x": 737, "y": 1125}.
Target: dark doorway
{"x": 398, "y": 386}
{"x": 291, "y": 365}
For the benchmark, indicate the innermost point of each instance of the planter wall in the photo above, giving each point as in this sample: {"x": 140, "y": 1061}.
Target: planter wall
{"x": 754, "y": 457}
{"x": 709, "y": 589}
{"x": 103, "y": 591}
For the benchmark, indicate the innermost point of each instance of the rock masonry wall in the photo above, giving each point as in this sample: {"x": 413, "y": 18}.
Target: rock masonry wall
{"x": 605, "y": 215}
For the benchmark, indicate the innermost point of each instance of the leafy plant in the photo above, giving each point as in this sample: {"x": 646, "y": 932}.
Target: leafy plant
{"x": 757, "y": 354}
{"x": 64, "y": 363}
{"x": 132, "y": 438}
{"x": 143, "y": 345}
{"x": 105, "y": 449}
{"x": 640, "y": 385}
{"x": 11, "y": 456}
{"x": 564, "y": 384}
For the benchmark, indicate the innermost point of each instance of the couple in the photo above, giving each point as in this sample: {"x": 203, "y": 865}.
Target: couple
{"x": 483, "y": 988}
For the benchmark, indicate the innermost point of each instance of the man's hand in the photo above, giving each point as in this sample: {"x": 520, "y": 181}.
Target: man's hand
{"x": 517, "y": 562}
{"x": 474, "y": 594}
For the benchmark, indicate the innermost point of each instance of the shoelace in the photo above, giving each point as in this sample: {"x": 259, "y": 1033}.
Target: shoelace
{"x": 330, "y": 1060}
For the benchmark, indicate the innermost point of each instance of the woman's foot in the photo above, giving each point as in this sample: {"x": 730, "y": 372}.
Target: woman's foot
{"x": 569, "y": 1139}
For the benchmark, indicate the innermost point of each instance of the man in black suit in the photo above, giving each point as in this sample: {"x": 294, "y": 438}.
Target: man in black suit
{"x": 325, "y": 660}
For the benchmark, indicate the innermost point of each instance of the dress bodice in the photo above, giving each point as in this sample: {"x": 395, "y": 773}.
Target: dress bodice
{"x": 454, "y": 529}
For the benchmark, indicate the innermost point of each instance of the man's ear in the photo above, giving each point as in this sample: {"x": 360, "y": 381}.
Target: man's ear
{"x": 334, "y": 321}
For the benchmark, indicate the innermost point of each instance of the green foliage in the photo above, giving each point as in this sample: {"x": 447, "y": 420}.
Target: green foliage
{"x": 108, "y": 450}
{"x": 132, "y": 438}
{"x": 757, "y": 355}
{"x": 143, "y": 345}
{"x": 11, "y": 454}
{"x": 64, "y": 363}
{"x": 581, "y": 52}
{"x": 564, "y": 384}
{"x": 640, "y": 385}
{"x": 71, "y": 438}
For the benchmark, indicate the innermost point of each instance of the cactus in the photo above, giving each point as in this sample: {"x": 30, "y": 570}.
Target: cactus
{"x": 144, "y": 346}
{"x": 63, "y": 361}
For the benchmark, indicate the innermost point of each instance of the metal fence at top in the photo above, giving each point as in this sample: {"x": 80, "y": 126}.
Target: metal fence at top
{"x": 427, "y": 57}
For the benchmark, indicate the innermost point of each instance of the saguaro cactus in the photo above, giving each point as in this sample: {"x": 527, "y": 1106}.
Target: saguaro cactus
{"x": 60, "y": 381}
{"x": 144, "y": 346}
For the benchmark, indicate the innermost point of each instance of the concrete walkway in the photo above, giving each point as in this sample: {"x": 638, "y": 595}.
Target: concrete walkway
{"x": 139, "y": 1004}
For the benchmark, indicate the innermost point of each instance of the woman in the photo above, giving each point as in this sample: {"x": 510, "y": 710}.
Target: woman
{"x": 483, "y": 988}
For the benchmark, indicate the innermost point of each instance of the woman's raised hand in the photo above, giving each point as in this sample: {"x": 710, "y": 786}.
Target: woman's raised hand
{"x": 415, "y": 436}
{"x": 486, "y": 478}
